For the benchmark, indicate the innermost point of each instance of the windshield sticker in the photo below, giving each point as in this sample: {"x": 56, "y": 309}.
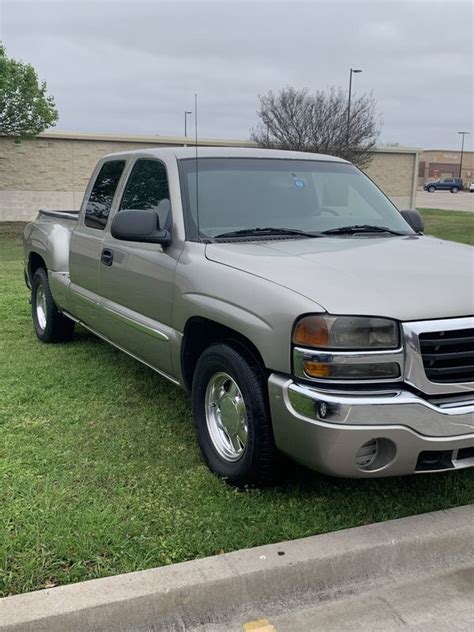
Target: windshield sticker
{"x": 299, "y": 183}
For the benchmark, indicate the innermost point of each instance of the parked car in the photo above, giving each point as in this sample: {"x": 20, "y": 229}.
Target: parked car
{"x": 471, "y": 187}
{"x": 305, "y": 314}
{"x": 446, "y": 184}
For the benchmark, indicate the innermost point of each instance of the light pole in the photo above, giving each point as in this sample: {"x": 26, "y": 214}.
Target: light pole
{"x": 186, "y": 112}
{"x": 353, "y": 70}
{"x": 462, "y": 152}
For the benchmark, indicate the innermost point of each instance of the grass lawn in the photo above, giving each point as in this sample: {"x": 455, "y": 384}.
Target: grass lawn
{"x": 455, "y": 225}
{"x": 100, "y": 471}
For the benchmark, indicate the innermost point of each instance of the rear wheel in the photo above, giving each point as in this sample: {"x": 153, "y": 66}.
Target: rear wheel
{"x": 50, "y": 325}
{"x": 454, "y": 189}
{"x": 431, "y": 189}
{"x": 232, "y": 417}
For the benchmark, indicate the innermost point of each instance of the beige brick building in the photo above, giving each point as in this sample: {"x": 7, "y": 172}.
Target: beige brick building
{"x": 52, "y": 170}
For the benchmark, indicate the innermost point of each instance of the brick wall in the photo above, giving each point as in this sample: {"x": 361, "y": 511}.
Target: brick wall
{"x": 52, "y": 171}
{"x": 395, "y": 174}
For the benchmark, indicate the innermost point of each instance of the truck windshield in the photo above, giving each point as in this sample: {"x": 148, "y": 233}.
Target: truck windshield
{"x": 304, "y": 195}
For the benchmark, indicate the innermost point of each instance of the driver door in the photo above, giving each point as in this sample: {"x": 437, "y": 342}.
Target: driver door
{"x": 136, "y": 279}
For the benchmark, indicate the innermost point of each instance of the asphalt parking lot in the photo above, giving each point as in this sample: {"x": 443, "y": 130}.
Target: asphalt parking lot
{"x": 445, "y": 200}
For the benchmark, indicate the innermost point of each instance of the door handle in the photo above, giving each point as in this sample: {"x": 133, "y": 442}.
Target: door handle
{"x": 107, "y": 257}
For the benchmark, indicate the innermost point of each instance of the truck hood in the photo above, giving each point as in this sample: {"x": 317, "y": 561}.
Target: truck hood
{"x": 407, "y": 278}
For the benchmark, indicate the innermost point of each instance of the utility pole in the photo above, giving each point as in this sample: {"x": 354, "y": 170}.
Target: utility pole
{"x": 462, "y": 152}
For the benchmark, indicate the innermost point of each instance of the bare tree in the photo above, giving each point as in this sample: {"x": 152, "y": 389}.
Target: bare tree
{"x": 298, "y": 120}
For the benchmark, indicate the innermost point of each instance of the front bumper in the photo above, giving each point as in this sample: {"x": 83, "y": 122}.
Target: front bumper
{"x": 325, "y": 430}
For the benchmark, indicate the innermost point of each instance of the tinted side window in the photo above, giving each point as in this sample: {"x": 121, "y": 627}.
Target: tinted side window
{"x": 147, "y": 189}
{"x": 102, "y": 194}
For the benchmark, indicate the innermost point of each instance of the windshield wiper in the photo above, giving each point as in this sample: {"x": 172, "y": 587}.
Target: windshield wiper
{"x": 262, "y": 232}
{"x": 361, "y": 228}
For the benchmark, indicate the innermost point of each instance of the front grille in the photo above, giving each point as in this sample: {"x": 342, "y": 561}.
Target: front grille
{"x": 448, "y": 356}
{"x": 466, "y": 453}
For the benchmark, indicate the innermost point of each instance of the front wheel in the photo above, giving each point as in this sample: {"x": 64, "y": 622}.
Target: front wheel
{"x": 50, "y": 325}
{"x": 431, "y": 189}
{"x": 232, "y": 417}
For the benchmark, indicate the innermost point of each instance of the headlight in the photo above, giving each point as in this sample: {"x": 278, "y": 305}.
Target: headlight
{"x": 346, "y": 332}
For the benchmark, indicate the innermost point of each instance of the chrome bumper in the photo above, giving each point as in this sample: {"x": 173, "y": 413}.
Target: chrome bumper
{"x": 324, "y": 430}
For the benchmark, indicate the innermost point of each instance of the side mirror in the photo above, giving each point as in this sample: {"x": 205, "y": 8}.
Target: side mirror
{"x": 414, "y": 219}
{"x": 142, "y": 226}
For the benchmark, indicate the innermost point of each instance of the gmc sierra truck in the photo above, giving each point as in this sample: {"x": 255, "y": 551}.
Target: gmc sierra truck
{"x": 304, "y": 312}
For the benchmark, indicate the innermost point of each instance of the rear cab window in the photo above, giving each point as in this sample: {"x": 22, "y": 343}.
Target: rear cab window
{"x": 102, "y": 194}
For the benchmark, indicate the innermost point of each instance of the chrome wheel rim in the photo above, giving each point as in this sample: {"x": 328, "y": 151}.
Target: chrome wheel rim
{"x": 41, "y": 306}
{"x": 226, "y": 417}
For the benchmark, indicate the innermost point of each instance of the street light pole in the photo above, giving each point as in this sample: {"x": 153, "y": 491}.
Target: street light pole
{"x": 186, "y": 112}
{"x": 353, "y": 70}
{"x": 462, "y": 152}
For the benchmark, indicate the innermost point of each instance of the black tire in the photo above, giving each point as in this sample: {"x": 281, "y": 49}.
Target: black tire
{"x": 454, "y": 189}
{"x": 431, "y": 189}
{"x": 50, "y": 325}
{"x": 257, "y": 465}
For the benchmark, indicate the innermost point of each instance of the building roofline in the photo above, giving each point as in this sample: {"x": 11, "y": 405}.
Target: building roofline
{"x": 389, "y": 149}
{"x": 144, "y": 138}
{"x": 450, "y": 151}
{"x": 181, "y": 140}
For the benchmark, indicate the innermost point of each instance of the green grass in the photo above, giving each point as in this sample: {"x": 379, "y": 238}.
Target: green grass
{"x": 100, "y": 472}
{"x": 454, "y": 225}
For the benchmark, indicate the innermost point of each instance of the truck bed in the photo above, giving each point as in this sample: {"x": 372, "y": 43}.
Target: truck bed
{"x": 59, "y": 214}
{"x": 49, "y": 237}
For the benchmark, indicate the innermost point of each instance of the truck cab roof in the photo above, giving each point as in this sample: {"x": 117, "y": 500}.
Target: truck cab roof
{"x": 224, "y": 152}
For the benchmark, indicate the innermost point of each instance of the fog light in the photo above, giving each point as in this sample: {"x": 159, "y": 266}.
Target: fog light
{"x": 375, "y": 454}
{"x": 366, "y": 454}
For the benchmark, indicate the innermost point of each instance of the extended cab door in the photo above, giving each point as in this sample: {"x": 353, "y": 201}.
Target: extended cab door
{"x": 86, "y": 242}
{"x": 136, "y": 281}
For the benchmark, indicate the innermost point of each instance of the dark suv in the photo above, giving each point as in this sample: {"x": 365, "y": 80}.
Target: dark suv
{"x": 446, "y": 184}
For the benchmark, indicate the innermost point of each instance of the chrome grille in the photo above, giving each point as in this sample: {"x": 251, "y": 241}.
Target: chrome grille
{"x": 448, "y": 356}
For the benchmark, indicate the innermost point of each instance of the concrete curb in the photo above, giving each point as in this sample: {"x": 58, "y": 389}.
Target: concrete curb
{"x": 206, "y": 590}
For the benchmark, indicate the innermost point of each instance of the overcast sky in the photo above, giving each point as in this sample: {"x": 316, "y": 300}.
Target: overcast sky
{"x": 134, "y": 66}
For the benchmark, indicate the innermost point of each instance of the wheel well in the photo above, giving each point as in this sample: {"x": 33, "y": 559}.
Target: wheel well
{"x": 200, "y": 333}
{"x": 35, "y": 261}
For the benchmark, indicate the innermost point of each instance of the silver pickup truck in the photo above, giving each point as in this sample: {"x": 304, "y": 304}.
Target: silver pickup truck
{"x": 304, "y": 312}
